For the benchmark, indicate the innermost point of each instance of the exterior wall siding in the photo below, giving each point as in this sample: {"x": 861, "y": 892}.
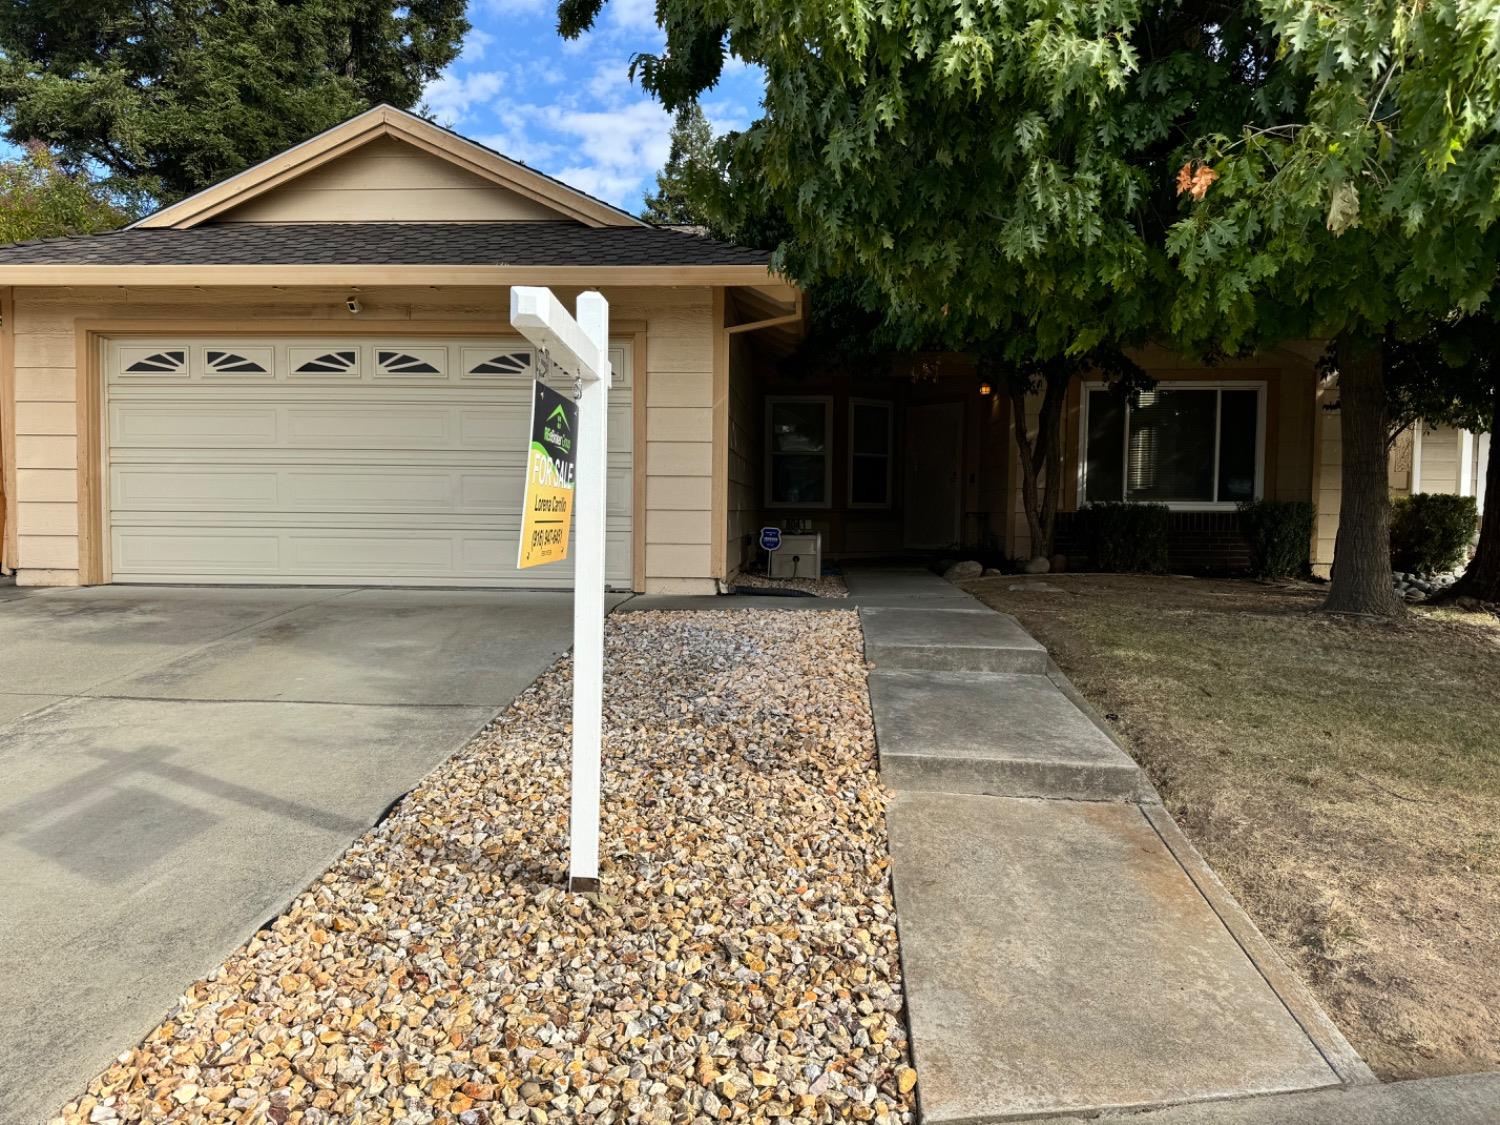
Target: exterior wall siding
{"x": 745, "y": 462}
{"x": 389, "y": 181}
{"x": 1440, "y": 459}
{"x": 675, "y": 463}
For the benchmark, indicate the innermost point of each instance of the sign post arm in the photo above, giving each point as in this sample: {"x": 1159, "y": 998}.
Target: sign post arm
{"x": 588, "y": 599}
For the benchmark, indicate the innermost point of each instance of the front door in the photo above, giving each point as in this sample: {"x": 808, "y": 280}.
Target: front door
{"x": 934, "y": 464}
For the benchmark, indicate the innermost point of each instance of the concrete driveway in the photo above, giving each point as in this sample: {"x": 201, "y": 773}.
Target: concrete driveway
{"x": 176, "y": 763}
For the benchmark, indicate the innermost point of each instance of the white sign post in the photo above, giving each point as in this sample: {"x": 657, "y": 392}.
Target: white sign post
{"x": 580, "y": 347}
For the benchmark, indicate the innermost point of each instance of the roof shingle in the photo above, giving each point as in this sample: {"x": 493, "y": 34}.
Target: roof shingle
{"x": 422, "y": 244}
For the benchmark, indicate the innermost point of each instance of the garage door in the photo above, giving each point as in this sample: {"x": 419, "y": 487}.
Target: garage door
{"x": 331, "y": 461}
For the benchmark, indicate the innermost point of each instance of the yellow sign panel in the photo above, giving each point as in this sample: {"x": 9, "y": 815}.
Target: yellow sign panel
{"x": 547, "y": 510}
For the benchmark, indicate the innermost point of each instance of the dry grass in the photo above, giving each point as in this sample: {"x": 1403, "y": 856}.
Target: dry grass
{"x": 1342, "y": 776}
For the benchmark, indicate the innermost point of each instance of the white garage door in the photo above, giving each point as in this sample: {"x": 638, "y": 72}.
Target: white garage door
{"x": 333, "y": 461}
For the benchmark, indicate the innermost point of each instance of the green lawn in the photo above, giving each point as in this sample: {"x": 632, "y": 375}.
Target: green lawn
{"x": 1342, "y": 776}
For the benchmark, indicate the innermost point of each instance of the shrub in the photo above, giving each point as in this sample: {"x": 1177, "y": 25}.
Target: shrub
{"x": 1279, "y": 533}
{"x": 1431, "y": 532}
{"x": 1126, "y": 537}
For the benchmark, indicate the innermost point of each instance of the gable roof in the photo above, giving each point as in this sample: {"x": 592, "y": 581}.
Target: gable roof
{"x": 373, "y": 124}
{"x": 381, "y": 253}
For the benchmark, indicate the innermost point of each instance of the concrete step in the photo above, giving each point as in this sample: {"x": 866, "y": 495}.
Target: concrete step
{"x": 1007, "y": 734}
{"x": 1059, "y": 959}
{"x": 948, "y": 640}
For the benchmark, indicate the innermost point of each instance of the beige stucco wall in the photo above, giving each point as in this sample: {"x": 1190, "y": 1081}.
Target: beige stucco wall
{"x": 674, "y": 466}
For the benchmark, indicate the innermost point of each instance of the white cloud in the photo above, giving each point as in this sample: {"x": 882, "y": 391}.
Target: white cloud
{"x": 610, "y": 81}
{"x": 515, "y": 7}
{"x": 454, "y": 98}
{"x": 725, "y": 114}
{"x": 616, "y": 151}
{"x": 476, "y": 42}
{"x": 631, "y": 15}
{"x": 516, "y": 143}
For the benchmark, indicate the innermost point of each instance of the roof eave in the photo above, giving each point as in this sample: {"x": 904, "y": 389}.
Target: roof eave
{"x": 43, "y": 274}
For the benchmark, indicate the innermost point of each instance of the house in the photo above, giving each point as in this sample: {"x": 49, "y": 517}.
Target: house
{"x": 1446, "y": 459}
{"x": 304, "y": 374}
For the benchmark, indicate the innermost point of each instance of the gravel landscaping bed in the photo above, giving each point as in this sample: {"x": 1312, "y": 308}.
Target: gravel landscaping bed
{"x": 740, "y": 964}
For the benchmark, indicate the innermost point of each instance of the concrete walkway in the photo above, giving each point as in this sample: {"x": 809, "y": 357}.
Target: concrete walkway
{"x": 1065, "y": 949}
{"x": 180, "y": 762}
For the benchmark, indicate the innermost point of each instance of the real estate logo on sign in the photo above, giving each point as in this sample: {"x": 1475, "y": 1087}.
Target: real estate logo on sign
{"x": 550, "y": 467}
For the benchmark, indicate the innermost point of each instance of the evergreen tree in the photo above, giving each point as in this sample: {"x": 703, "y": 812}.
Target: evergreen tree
{"x": 677, "y": 200}
{"x": 168, "y": 96}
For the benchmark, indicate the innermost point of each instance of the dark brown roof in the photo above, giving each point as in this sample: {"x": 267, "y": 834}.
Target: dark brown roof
{"x": 420, "y": 244}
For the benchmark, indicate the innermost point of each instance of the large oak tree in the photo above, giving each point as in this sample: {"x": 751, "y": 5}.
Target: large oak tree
{"x": 1369, "y": 214}
{"x": 996, "y": 179}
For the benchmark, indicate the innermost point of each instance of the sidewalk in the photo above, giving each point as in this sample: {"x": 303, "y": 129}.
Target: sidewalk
{"x": 1065, "y": 949}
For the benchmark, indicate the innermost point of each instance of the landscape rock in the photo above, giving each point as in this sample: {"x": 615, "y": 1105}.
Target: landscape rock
{"x": 1038, "y": 566}
{"x": 744, "y": 937}
{"x": 962, "y": 570}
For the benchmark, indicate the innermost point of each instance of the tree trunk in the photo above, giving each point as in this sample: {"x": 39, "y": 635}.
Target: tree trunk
{"x": 1041, "y": 460}
{"x": 1362, "y": 552}
{"x": 1482, "y": 578}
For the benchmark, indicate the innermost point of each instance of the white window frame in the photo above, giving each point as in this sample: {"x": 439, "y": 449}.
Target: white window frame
{"x": 1257, "y": 385}
{"x": 890, "y": 451}
{"x": 772, "y": 401}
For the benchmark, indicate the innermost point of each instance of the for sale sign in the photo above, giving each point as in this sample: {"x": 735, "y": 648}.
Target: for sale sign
{"x": 550, "y": 470}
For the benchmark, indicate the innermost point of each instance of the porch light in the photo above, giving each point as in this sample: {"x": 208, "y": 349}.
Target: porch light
{"x": 985, "y": 390}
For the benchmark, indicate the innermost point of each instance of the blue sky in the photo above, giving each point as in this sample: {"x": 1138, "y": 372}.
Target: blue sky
{"x": 569, "y": 108}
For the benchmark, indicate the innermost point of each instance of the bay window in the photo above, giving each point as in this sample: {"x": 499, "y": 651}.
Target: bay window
{"x": 1193, "y": 445}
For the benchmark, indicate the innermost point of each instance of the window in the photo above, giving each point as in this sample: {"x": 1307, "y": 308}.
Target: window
{"x": 233, "y": 363}
{"x": 1194, "y": 445}
{"x": 869, "y": 454}
{"x": 159, "y": 363}
{"x": 404, "y": 363}
{"x": 326, "y": 363}
{"x": 797, "y": 463}
{"x": 500, "y": 363}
